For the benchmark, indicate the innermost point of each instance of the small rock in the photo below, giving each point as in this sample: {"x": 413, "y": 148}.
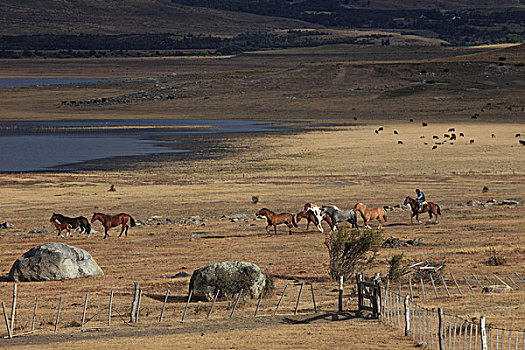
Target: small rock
{"x": 170, "y": 220}
{"x": 6, "y": 225}
{"x": 38, "y": 230}
{"x": 509, "y": 202}
{"x": 496, "y": 288}
{"x": 238, "y": 217}
{"x": 181, "y": 275}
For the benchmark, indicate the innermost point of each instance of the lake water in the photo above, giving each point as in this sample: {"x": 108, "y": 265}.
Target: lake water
{"x": 21, "y": 82}
{"x": 44, "y": 145}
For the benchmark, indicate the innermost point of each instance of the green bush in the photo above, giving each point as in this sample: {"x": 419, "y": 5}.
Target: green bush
{"x": 349, "y": 250}
{"x": 397, "y": 267}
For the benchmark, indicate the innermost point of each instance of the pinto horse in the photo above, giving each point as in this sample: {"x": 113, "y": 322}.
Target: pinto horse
{"x": 78, "y": 222}
{"x": 368, "y": 214}
{"x": 277, "y": 219}
{"x": 310, "y": 217}
{"x": 314, "y": 209}
{"x": 109, "y": 221}
{"x": 428, "y": 207}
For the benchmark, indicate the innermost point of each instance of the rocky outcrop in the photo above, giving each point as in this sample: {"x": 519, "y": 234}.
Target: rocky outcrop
{"x": 53, "y": 262}
{"x": 229, "y": 277}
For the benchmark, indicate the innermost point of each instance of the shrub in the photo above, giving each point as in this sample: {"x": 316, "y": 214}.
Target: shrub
{"x": 269, "y": 287}
{"x": 349, "y": 250}
{"x": 397, "y": 267}
{"x": 495, "y": 258}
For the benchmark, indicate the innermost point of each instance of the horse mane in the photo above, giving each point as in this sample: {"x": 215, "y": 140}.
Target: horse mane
{"x": 267, "y": 210}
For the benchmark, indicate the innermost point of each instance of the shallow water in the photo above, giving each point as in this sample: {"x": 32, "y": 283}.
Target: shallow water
{"x": 41, "y": 146}
{"x": 21, "y": 82}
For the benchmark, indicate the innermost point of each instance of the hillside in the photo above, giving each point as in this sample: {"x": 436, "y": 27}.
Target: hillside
{"x": 25, "y": 17}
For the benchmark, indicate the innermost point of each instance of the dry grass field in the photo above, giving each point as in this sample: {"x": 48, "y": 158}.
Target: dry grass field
{"x": 330, "y": 159}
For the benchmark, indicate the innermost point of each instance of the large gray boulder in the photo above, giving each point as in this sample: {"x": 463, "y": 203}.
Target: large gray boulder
{"x": 229, "y": 277}
{"x": 53, "y": 262}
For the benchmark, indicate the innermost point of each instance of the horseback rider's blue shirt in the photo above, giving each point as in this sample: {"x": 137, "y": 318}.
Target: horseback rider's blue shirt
{"x": 421, "y": 196}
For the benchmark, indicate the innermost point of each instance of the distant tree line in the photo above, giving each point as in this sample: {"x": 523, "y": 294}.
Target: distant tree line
{"x": 89, "y": 45}
{"x": 458, "y": 27}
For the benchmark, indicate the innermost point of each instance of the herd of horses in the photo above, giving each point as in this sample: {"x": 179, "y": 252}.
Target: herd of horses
{"x": 333, "y": 216}
{"x": 62, "y": 222}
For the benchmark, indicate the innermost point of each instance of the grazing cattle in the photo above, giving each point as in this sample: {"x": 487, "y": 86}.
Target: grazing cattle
{"x": 368, "y": 214}
{"x": 377, "y": 132}
{"x": 522, "y": 142}
{"x": 471, "y": 142}
{"x": 451, "y": 130}
{"x": 493, "y": 136}
{"x": 446, "y": 135}
{"x": 380, "y": 129}
{"x": 109, "y": 221}
{"x": 422, "y": 137}
{"x": 452, "y": 137}
{"x": 461, "y": 134}
{"x": 277, "y": 219}
{"x": 434, "y": 147}
{"x": 424, "y": 124}
{"x": 411, "y": 120}
{"x": 518, "y": 135}
{"x": 395, "y": 132}
{"x": 399, "y": 142}
{"x": 435, "y": 137}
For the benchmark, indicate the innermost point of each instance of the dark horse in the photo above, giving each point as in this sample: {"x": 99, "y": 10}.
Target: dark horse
{"x": 338, "y": 216}
{"x": 78, "y": 222}
{"x": 277, "y": 219}
{"x": 311, "y": 218}
{"x": 109, "y": 221}
{"x": 428, "y": 207}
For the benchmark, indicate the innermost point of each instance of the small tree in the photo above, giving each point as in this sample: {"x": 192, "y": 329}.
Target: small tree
{"x": 351, "y": 249}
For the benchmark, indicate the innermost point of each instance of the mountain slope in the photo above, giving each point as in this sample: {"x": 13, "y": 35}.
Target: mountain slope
{"x": 19, "y": 17}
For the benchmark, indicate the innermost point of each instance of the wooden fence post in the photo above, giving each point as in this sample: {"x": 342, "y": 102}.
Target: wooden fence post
{"x": 280, "y": 300}
{"x": 423, "y": 290}
{"x": 410, "y": 286}
{"x": 213, "y": 303}
{"x": 340, "y": 299}
{"x": 58, "y": 313}
{"x": 468, "y": 284}
{"x": 110, "y": 308}
{"x": 138, "y": 306}
{"x": 13, "y": 308}
{"x": 133, "y": 313}
{"x": 441, "y": 330}
{"x": 313, "y": 297}
{"x": 84, "y": 312}
{"x": 456, "y": 283}
{"x": 298, "y": 298}
{"x": 445, "y": 284}
{"x": 187, "y": 304}
{"x": 164, "y": 305}
{"x": 408, "y": 330}
{"x": 236, "y": 302}
{"x": 434, "y": 285}
{"x": 480, "y": 285}
{"x": 9, "y": 334}
{"x": 34, "y": 315}
{"x": 259, "y": 303}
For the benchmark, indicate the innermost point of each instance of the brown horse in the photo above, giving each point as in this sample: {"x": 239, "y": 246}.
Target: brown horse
{"x": 109, "y": 221}
{"x": 62, "y": 226}
{"x": 371, "y": 214}
{"x": 277, "y": 219}
{"x": 427, "y": 207}
{"x": 310, "y": 217}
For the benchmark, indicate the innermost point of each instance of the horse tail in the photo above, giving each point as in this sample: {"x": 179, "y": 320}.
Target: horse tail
{"x": 294, "y": 222}
{"x": 438, "y": 209}
{"x": 132, "y": 221}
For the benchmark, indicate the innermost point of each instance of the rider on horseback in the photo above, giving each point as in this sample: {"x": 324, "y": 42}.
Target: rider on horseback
{"x": 420, "y": 199}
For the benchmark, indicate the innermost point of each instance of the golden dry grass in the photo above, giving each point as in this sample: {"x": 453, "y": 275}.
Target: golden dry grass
{"x": 340, "y": 163}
